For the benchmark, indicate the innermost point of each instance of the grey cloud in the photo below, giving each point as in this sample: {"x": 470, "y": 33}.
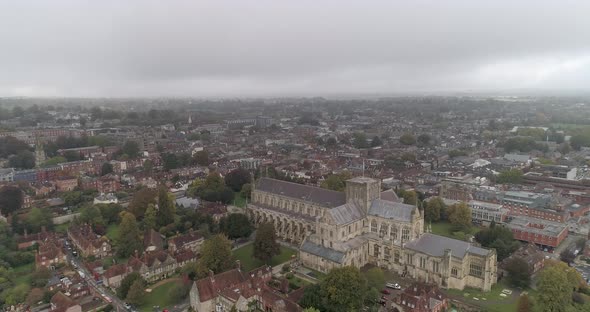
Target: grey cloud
{"x": 202, "y": 48}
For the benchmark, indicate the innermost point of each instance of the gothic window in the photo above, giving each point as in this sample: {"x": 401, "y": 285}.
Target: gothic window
{"x": 405, "y": 234}
{"x": 475, "y": 270}
{"x": 409, "y": 259}
{"x": 387, "y": 252}
{"x": 396, "y": 256}
{"x": 393, "y": 233}
{"x": 435, "y": 266}
{"x": 374, "y": 226}
{"x": 423, "y": 262}
{"x": 384, "y": 229}
{"x": 454, "y": 272}
{"x": 376, "y": 250}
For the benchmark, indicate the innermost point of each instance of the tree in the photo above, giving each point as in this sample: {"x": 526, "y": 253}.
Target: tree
{"x": 265, "y": 244}
{"x": 311, "y": 297}
{"x": 24, "y": 160}
{"x": 11, "y": 146}
{"x": 141, "y": 200}
{"x": 424, "y": 139}
{"x": 39, "y": 218}
{"x": 512, "y": 176}
{"x": 410, "y": 197}
{"x": 150, "y": 217}
{"x": 376, "y": 141}
{"x": 360, "y": 140}
{"x": 435, "y": 208}
{"x": 11, "y": 199}
{"x": 246, "y": 191}
{"x": 170, "y": 161}
{"x": 106, "y": 168}
{"x": 131, "y": 149}
{"x": 460, "y": 215}
{"x": 215, "y": 256}
{"x": 375, "y": 278}
{"x": 556, "y": 289}
{"x": 126, "y": 284}
{"x": 72, "y": 155}
{"x": 311, "y": 310}
{"x": 519, "y": 272}
{"x": 336, "y": 182}
{"x": 201, "y": 158}
{"x": 407, "y": 139}
{"x": 148, "y": 166}
{"x": 500, "y": 238}
{"x": 129, "y": 240}
{"x": 136, "y": 292}
{"x": 237, "y": 178}
{"x": 213, "y": 189}
{"x": 236, "y": 225}
{"x": 524, "y": 304}
{"x": 343, "y": 290}
{"x": 166, "y": 207}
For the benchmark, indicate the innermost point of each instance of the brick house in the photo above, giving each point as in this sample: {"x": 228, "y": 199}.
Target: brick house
{"x": 153, "y": 266}
{"x": 113, "y": 276}
{"x": 88, "y": 242}
{"x": 421, "y": 298}
{"x": 50, "y": 253}
{"x": 66, "y": 184}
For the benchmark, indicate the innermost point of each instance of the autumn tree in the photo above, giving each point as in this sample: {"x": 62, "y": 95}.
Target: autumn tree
{"x": 141, "y": 200}
{"x": 460, "y": 215}
{"x": 166, "y": 207}
{"x": 215, "y": 256}
{"x": 265, "y": 244}
{"x": 129, "y": 239}
{"x": 343, "y": 289}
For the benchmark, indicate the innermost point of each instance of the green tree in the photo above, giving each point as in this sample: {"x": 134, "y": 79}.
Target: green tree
{"x": 148, "y": 166}
{"x": 141, "y": 200}
{"x": 237, "y": 178}
{"x": 513, "y": 176}
{"x": 519, "y": 272}
{"x": 131, "y": 149}
{"x": 311, "y": 297}
{"x": 166, "y": 207}
{"x": 311, "y": 310}
{"x": 38, "y": 218}
{"x": 424, "y": 139}
{"x": 136, "y": 293}
{"x": 236, "y": 225}
{"x": 92, "y": 215}
{"x": 460, "y": 216}
{"x": 201, "y": 158}
{"x": 265, "y": 243}
{"x": 376, "y": 141}
{"x": 126, "y": 284}
{"x": 129, "y": 240}
{"x": 343, "y": 290}
{"x": 22, "y": 160}
{"x": 407, "y": 139}
{"x": 213, "y": 189}
{"x": 360, "y": 140}
{"x": 11, "y": 199}
{"x": 106, "y": 168}
{"x": 246, "y": 191}
{"x": 434, "y": 209}
{"x": 555, "y": 288}
{"x": 336, "y": 182}
{"x": 215, "y": 255}
{"x": 150, "y": 218}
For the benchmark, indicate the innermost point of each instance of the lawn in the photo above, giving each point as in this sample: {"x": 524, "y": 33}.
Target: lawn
{"x": 239, "y": 201}
{"x": 113, "y": 232}
{"x": 491, "y": 301}
{"x": 446, "y": 229}
{"x": 248, "y": 262}
{"x": 158, "y": 297}
{"x": 22, "y": 274}
{"x": 62, "y": 228}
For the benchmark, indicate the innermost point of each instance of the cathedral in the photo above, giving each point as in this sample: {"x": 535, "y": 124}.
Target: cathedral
{"x": 364, "y": 225}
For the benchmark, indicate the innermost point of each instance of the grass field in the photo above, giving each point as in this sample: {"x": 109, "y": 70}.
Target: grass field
{"x": 62, "y": 228}
{"x": 491, "y": 301}
{"x": 22, "y": 274}
{"x": 239, "y": 201}
{"x": 446, "y": 229}
{"x": 113, "y": 232}
{"x": 248, "y": 262}
{"x": 158, "y": 297}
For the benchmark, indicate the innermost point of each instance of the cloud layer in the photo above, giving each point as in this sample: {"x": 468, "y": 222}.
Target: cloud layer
{"x": 252, "y": 48}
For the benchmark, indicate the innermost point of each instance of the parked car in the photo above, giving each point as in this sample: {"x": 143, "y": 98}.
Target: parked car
{"x": 386, "y": 292}
{"x": 393, "y": 286}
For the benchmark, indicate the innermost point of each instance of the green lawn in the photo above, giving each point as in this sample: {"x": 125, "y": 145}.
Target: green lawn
{"x": 248, "y": 262}
{"x": 444, "y": 228}
{"x": 113, "y": 232}
{"x": 158, "y": 297}
{"x": 62, "y": 228}
{"x": 491, "y": 301}
{"x": 22, "y": 274}
{"x": 239, "y": 201}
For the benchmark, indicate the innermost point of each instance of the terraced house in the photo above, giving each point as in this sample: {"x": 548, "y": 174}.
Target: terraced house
{"x": 364, "y": 225}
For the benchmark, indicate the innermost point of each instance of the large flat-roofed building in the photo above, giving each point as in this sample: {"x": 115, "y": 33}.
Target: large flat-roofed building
{"x": 533, "y": 205}
{"x": 365, "y": 226}
{"x": 544, "y": 233}
{"x": 483, "y": 212}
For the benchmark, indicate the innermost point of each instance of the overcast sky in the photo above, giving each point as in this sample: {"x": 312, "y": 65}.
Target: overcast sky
{"x": 316, "y": 47}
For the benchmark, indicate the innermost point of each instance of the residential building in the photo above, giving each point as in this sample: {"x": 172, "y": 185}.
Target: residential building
{"x": 88, "y": 242}
{"x": 153, "y": 266}
{"x": 421, "y": 297}
{"x": 190, "y": 241}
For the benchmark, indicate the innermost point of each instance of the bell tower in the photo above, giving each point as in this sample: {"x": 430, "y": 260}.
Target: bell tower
{"x": 362, "y": 191}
